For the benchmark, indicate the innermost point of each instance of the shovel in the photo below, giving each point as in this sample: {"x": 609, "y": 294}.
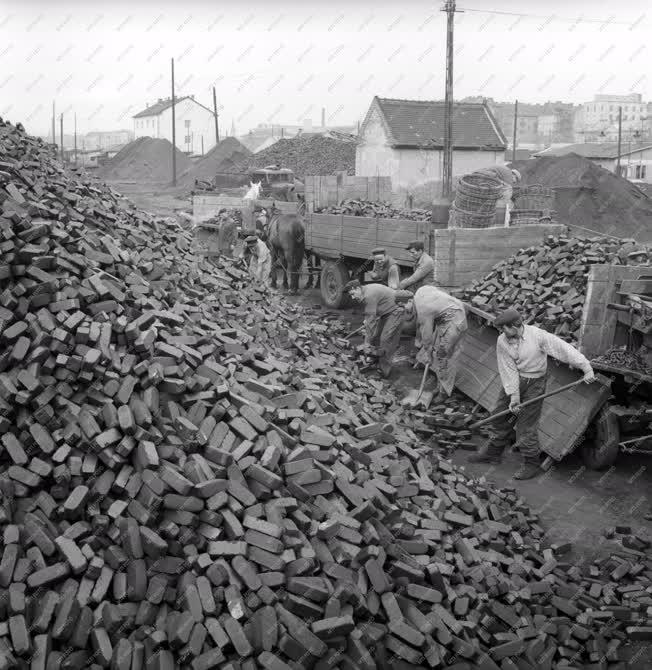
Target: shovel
{"x": 355, "y": 332}
{"x": 477, "y": 424}
{"x": 413, "y": 397}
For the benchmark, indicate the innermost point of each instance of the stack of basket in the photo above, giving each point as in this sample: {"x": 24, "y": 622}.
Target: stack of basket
{"x": 532, "y": 204}
{"x": 475, "y": 202}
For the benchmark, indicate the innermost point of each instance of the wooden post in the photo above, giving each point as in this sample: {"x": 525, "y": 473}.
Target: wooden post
{"x": 61, "y": 135}
{"x": 447, "y": 184}
{"x": 174, "y": 135}
{"x": 202, "y": 145}
{"x": 217, "y": 125}
{"x": 515, "y": 126}
{"x": 620, "y": 138}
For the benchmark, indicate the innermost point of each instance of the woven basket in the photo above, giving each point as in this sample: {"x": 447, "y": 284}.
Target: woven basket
{"x": 524, "y": 217}
{"x": 533, "y": 197}
{"x": 463, "y": 219}
{"x": 472, "y": 203}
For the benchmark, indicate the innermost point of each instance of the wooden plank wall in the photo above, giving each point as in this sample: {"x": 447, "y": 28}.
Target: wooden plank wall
{"x": 564, "y": 417}
{"x": 328, "y": 190}
{"x": 599, "y": 330}
{"x": 355, "y": 236}
{"x": 463, "y": 255}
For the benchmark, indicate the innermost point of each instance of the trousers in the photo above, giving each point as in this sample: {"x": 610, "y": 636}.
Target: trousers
{"x": 522, "y": 428}
{"x": 384, "y": 335}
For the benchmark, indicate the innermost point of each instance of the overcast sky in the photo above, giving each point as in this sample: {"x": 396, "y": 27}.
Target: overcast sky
{"x": 280, "y": 61}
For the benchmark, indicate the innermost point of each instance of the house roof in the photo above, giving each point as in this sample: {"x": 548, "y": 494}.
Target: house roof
{"x": 604, "y": 150}
{"x": 420, "y": 123}
{"x": 160, "y": 106}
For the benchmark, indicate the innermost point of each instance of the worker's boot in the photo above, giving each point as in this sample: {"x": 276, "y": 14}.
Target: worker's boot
{"x": 528, "y": 471}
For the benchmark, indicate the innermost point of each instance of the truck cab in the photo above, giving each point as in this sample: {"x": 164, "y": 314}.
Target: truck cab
{"x": 278, "y": 183}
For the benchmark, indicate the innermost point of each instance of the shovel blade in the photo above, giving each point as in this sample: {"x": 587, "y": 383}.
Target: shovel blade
{"x": 411, "y": 398}
{"x": 425, "y": 399}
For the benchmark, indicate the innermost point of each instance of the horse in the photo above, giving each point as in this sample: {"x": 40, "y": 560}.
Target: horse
{"x": 285, "y": 235}
{"x": 253, "y": 192}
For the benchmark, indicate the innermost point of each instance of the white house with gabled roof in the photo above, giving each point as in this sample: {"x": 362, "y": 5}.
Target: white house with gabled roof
{"x": 194, "y": 121}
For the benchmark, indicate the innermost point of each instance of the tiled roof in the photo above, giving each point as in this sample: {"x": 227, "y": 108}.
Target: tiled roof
{"x": 595, "y": 149}
{"x": 159, "y": 107}
{"x": 420, "y": 123}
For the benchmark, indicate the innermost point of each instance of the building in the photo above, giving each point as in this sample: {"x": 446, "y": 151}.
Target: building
{"x": 106, "y": 139}
{"x": 194, "y": 122}
{"x": 598, "y": 119}
{"x": 404, "y": 139}
{"x": 635, "y": 160}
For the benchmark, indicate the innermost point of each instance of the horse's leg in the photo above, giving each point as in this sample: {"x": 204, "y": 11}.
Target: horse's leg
{"x": 309, "y": 267}
{"x": 285, "y": 270}
{"x": 273, "y": 271}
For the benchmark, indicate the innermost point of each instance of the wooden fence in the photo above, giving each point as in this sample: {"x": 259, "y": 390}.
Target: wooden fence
{"x": 329, "y": 190}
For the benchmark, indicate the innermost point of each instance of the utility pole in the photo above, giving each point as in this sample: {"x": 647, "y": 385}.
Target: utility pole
{"x": 174, "y": 135}
{"x": 75, "y": 140}
{"x": 515, "y": 128}
{"x": 202, "y": 145}
{"x": 61, "y": 135}
{"x": 217, "y": 124}
{"x": 447, "y": 182}
{"x": 620, "y": 138}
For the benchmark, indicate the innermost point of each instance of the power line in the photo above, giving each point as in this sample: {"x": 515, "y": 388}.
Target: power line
{"x": 553, "y": 17}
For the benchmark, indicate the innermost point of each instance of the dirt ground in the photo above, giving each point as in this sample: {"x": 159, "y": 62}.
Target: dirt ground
{"x": 575, "y": 504}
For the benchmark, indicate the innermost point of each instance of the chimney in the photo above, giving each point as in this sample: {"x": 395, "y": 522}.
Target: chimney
{"x": 323, "y": 117}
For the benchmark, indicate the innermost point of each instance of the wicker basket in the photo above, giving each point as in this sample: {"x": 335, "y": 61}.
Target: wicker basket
{"x": 525, "y": 217}
{"x": 533, "y": 197}
{"x": 464, "y": 219}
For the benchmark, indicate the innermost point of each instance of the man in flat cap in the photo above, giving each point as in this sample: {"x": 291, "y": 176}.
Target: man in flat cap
{"x": 260, "y": 259}
{"x": 522, "y": 352}
{"x": 424, "y": 268}
{"x": 385, "y": 269}
{"x": 383, "y": 319}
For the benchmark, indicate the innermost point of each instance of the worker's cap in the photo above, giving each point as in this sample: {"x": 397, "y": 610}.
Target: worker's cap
{"x": 251, "y": 240}
{"x": 517, "y": 175}
{"x": 377, "y": 251}
{"x": 509, "y": 317}
{"x": 349, "y": 286}
{"x": 417, "y": 245}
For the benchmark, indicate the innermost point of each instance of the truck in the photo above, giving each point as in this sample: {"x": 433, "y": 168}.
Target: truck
{"x": 276, "y": 182}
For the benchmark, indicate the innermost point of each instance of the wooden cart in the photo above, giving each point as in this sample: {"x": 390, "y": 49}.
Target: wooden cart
{"x": 565, "y": 417}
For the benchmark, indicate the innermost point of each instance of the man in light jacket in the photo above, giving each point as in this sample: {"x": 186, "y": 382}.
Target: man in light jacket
{"x": 424, "y": 268}
{"x": 522, "y": 353}
{"x": 260, "y": 260}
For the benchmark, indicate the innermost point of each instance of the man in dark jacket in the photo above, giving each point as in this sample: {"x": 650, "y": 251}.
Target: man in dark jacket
{"x": 385, "y": 269}
{"x": 383, "y": 320}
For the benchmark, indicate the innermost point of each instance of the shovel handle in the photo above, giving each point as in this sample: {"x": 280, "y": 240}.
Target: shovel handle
{"x": 355, "y": 332}
{"x": 477, "y": 424}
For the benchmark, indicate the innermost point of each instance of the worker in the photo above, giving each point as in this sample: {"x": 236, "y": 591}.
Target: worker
{"x": 227, "y": 236}
{"x": 424, "y": 268}
{"x": 522, "y": 353}
{"x": 260, "y": 260}
{"x": 383, "y": 320}
{"x": 385, "y": 270}
{"x": 441, "y": 324}
{"x": 638, "y": 256}
{"x": 509, "y": 178}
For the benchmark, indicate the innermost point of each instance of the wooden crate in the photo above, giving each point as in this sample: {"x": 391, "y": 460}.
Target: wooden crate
{"x": 328, "y": 190}
{"x": 600, "y": 330}
{"x": 463, "y": 255}
{"x": 335, "y": 235}
{"x": 564, "y": 417}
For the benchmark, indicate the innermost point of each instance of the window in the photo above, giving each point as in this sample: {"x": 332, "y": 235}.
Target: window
{"x": 641, "y": 171}
{"x": 186, "y": 124}
{"x": 187, "y": 139}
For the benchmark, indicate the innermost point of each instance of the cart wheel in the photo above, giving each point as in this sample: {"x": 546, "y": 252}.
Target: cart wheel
{"x": 600, "y": 448}
{"x": 334, "y": 277}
